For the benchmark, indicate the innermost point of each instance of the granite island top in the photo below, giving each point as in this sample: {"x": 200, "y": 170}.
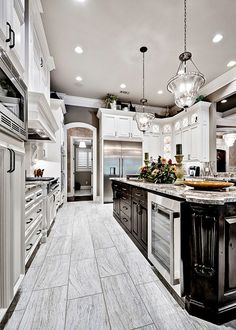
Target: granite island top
{"x": 186, "y": 193}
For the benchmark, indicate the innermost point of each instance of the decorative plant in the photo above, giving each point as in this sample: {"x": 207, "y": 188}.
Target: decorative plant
{"x": 110, "y": 98}
{"x": 160, "y": 171}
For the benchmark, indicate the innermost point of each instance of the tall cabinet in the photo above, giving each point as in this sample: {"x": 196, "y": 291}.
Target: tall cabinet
{"x": 11, "y": 218}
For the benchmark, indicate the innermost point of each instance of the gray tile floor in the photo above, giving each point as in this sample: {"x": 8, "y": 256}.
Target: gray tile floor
{"x": 90, "y": 276}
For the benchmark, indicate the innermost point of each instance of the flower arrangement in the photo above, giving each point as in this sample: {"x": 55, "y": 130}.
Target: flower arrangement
{"x": 160, "y": 171}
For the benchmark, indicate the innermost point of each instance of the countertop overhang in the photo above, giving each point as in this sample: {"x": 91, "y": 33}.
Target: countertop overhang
{"x": 186, "y": 193}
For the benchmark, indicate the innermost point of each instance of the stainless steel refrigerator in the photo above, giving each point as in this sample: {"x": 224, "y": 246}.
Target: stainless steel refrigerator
{"x": 120, "y": 159}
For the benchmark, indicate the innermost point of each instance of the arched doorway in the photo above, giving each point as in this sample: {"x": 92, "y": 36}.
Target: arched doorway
{"x": 81, "y": 160}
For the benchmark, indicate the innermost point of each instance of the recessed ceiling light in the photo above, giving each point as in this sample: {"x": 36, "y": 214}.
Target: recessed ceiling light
{"x": 123, "y": 86}
{"x": 78, "y": 78}
{"x": 217, "y": 38}
{"x": 80, "y": 0}
{"x": 79, "y": 50}
{"x": 231, "y": 63}
{"x": 160, "y": 92}
{"x": 223, "y": 101}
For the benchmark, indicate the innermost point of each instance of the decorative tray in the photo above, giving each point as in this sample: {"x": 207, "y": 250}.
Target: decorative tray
{"x": 208, "y": 185}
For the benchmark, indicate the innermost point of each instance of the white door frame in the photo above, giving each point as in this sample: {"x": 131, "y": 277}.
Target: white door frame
{"x": 94, "y": 138}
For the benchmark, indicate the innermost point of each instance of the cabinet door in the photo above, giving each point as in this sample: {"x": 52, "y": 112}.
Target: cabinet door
{"x": 108, "y": 126}
{"x": 3, "y": 23}
{"x": 123, "y": 126}
{"x": 35, "y": 69}
{"x": 152, "y": 145}
{"x": 177, "y": 140}
{"x": 135, "y": 220}
{"x": 144, "y": 227}
{"x": 17, "y": 217}
{"x": 135, "y": 132}
{"x": 195, "y": 140}
{"x": 186, "y": 143}
{"x": 6, "y": 289}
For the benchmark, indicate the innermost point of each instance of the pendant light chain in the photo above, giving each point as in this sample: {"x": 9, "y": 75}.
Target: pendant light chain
{"x": 143, "y": 78}
{"x": 185, "y": 25}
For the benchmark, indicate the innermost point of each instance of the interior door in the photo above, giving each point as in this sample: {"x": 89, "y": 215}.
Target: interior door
{"x": 111, "y": 166}
{"x": 131, "y": 158}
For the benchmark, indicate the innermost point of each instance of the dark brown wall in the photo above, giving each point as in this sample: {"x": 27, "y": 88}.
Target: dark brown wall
{"x": 83, "y": 177}
{"x": 81, "y": 114}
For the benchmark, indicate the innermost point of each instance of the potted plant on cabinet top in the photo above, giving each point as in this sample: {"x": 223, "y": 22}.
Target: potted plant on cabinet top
{"x": 110, "y": 101}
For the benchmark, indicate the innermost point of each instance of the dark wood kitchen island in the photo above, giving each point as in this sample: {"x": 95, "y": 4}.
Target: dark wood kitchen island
{"x": 207, "y": 241}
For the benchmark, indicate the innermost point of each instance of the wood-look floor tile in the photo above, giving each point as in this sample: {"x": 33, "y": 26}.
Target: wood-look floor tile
{"x": 87, "y": 313}
{"x": 165, "y": 315}
{"x": 40, "y": 256}
{"x": 109, "y": 262}
{"x": 148, "y": 327}
{"x": 30, "y": 278}
{"x": 82, "y": 246}
{"x": 62, "y": 230}
{"x": 123, "y": 243}
{"x": 60, "y": 245}
{"x": 54, "y": 272}
{"x": 138, "y": 267}
{"x": 100, "y": 236}
{"x": 14, "y": 321}
{"x": 46, "y": 310}
{"x": 83, "y": 279}
{"x": 113, "y": 227}
{"x": 24, "y": 297}
{"x": 125, "y": 307}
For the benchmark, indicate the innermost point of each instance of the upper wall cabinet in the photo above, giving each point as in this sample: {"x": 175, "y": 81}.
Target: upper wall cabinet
{"x": 116, "y": 124}
{"x": 40, "y": 61}
{"x": 13, "y": 32}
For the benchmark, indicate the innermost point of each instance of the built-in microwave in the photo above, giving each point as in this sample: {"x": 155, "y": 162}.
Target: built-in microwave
{"x": 13, "y": 100}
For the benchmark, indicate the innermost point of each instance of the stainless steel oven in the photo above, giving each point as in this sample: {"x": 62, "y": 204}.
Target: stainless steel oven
{"x": 164, "y": 237}
{"x": 13, "y": 100}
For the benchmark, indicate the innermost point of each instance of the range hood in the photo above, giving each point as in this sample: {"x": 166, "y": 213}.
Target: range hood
{"x": 42, "y": 125}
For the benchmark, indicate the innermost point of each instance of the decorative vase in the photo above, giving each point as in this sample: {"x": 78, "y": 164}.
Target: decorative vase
{"x": 179, "y": 170}
{"x": 113, "y": 105}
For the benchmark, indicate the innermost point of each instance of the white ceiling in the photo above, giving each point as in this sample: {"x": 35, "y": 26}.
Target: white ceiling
{"x": 111, "y": 33}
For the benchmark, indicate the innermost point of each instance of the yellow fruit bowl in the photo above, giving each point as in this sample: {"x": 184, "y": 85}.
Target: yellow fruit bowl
{"x": 208, "y": 185}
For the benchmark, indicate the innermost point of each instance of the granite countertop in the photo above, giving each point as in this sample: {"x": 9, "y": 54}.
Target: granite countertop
{"x": 187, "y": 193}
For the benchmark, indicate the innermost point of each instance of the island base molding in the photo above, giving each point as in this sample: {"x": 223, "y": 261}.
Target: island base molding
{"x": 220, "y": 316}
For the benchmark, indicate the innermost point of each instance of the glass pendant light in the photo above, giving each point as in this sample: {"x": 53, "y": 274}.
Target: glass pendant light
{"x": 187, "y": 82}
{"x": 82, "y": 144}
{"x": 143, "y": 118}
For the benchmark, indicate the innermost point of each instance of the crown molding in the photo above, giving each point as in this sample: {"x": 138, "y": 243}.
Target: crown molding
{"x": 81, "y": 101}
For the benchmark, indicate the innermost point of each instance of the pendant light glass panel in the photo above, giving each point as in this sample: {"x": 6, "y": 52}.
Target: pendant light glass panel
{"x": 144, "y": 120}
{"x": 185, "y": 88}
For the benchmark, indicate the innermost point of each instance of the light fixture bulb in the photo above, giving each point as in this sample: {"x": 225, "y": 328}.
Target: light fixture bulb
{"x": 78, "y": 78}
{"x": 223, "y": 101}
{"x": 160, "y": 92}
{"x": 82, "y": 144}
{"x": 217, "y": 38}
{"x": 231, "y": 64}
{"x": 79, "y": 50}
{"x": 123, "y": 86}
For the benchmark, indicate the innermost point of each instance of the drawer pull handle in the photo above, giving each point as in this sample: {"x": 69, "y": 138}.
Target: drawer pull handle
{"x": 29, "y": 221}
{"x": 39, "y": 210}
{"x": 125, "y": 207}
{"x": 28, "y": 247}
{"x": 125, "y": 220}
{"x": 29, "y": 200}
{"x": 124, "y": 198}
{"x": 124, "y": 189}
{"x": 39, "y": 194}
{"x": 137, "y": 194}
{"x": 38, "y": 232}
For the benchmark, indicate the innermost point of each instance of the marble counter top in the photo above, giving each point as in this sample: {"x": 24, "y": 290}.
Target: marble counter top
{"x": 186, "y": 193}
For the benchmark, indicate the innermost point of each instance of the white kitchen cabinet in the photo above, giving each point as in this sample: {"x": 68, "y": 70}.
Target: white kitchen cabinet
{"x": 40, "y": 61}
{"x": 152, "y": 144}
{"x": 117, "y": 125}
{"x": 186, "y": 143}
{"x": 123, "y": 126}
{"x": 12, "y": 32}
{"x": 109, "y": 126}
{"x": 11, "y": 222}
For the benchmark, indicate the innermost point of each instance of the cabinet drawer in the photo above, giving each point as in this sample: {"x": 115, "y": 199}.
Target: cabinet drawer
{"x": 33, "y": 240}
{"x": 125, "y": 197}
{"x": 126, "y": 221}
{"x": 29, "y": 200}
{"x": 125, "y": 188}
{"x": 125, "y": 208}
{"x": 29, "y": 220}
{"x": 140, "y": 194}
